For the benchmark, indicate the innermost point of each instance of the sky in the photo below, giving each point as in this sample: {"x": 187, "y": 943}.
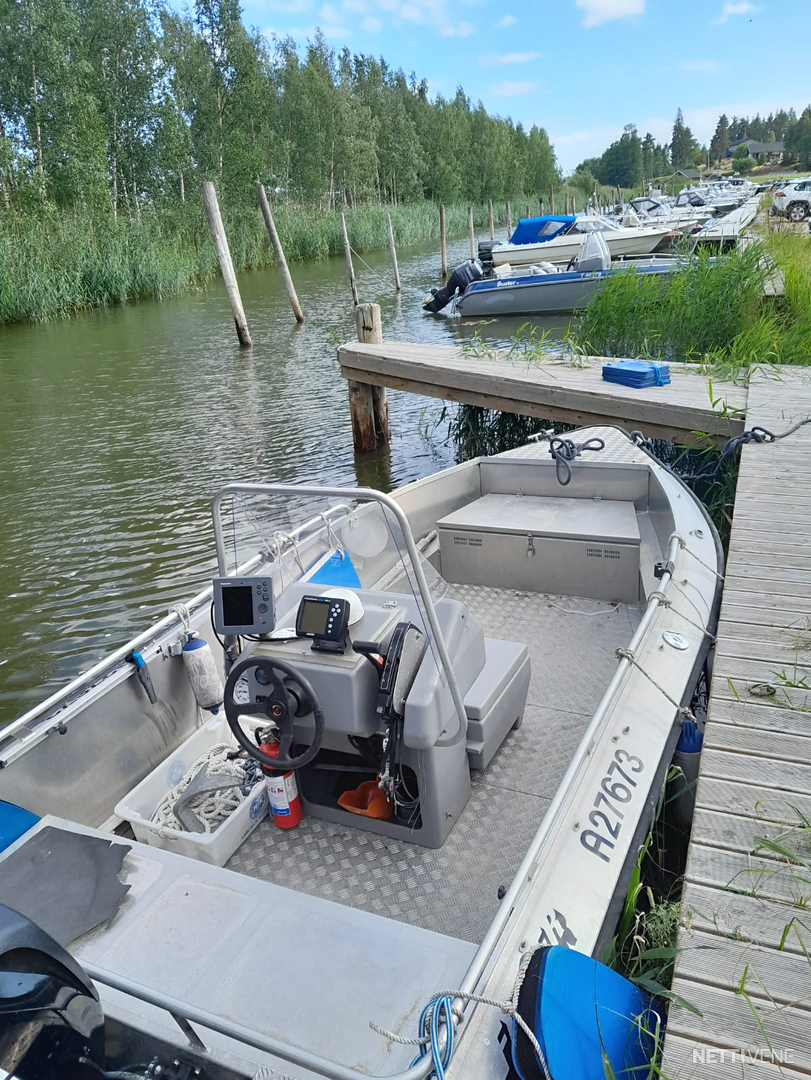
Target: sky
{"x": 582, "y": 69}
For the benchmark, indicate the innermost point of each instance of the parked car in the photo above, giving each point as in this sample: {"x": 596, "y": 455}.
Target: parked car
{"x": 793, "y": 200}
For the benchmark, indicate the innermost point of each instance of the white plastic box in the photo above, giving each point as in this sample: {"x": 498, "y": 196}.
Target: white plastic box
{"x": 215, "y": 847}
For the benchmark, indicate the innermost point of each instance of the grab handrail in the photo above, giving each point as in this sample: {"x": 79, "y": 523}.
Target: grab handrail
{"x": 360, "y": 495}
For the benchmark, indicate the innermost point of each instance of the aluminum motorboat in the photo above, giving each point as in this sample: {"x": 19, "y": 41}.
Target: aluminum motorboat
{"x": 463, "y": 695}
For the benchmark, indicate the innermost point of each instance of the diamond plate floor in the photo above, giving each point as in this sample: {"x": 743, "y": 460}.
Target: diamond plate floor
{"x": 454, "y": 890}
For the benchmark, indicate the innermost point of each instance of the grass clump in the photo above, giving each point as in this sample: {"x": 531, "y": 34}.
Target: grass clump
{"x": 714, "y": 311}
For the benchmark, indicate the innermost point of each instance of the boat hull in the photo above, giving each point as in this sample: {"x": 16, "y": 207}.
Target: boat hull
{"x": 544, "y": 294}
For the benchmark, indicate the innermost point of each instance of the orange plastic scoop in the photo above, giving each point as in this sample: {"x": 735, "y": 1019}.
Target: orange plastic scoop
{"x": 367, "y": 800}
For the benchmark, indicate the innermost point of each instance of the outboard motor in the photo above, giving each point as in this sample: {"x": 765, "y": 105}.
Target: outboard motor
{"x": 462, "y": 276}
{"x": 51, "y": 1021}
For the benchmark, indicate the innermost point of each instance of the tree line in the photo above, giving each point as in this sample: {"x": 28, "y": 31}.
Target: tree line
{"x": 630, "y": 161}
{"x": 117, "y": 105}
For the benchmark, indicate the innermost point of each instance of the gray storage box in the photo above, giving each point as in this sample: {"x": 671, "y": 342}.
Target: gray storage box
{"x": 570, "y": 547}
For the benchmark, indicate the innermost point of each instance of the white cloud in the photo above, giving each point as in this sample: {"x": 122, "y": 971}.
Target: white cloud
{"x": 703, "y": 66}
{"x": 357, "y": 7}
{"x": 512, "y": 58}
{"x": 741, "y": 7}
{"x": 462, "y": 29}
{"x": 513, "y": 88}
{"x": 287, "y": 7}
{"x": 300, "y": 34}
{"x": 330, "y": 14}
{"x": 508, "y": 20}
{"x": 601, "y": 11}
{"x": 372, "y": 25}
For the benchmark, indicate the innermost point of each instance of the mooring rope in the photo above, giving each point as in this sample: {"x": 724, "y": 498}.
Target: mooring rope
{"x": 438, "y": 1015}
{"x": 756, "y": 434}
{"x": 564, "y": 451}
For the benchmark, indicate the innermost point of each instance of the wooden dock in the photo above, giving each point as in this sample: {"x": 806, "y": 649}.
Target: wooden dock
{"x": 745, "y": 939}
{"x": 560, "y": 388}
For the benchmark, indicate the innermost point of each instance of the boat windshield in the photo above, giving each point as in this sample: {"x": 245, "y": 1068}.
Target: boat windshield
{"x": 595, "y": 224}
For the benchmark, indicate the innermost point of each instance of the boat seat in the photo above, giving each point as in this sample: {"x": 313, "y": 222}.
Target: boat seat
{"x": 496, "y": 701}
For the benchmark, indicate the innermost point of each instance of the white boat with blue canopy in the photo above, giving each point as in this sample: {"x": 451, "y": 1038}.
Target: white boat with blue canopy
{"x": 471, "y": 689}
{"x": 557, "y": 237}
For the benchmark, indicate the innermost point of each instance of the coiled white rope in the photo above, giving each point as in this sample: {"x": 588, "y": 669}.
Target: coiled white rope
{"x": 212, "y": 807}
{"x": 437, "y": 1024}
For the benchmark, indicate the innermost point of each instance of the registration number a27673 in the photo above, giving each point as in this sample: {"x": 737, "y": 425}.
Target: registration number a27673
{"x": 615, "y": 792}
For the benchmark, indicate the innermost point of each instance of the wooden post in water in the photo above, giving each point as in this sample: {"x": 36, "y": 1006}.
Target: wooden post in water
{"x": 212, "y": 209}
{"x": 540, "y": 203}
{"x": 278, "y": 251}
{"x": 393, "y": 255}
{"x": 471, "y": 232}
{"x": 551, "y": 199}
{"x": 490, "y": 221}
{"x": 443, "y": 247}
{"x": 527, "y": 209}
{"x": 509, "y": 221}
{"x": 367, "y": 404}
{"x": 348, "y": 252}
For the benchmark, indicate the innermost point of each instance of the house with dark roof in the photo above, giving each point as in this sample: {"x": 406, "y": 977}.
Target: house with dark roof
{"x": 772, "y": 151}
{"x": 688, "y": 174}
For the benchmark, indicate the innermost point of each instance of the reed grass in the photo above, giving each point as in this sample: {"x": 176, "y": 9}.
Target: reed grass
{"x": 56, "y": 264}
{"x": 715, "y": 311}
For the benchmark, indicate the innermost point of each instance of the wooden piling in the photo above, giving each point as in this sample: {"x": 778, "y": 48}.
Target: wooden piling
{"x": 278, "y": 252}
{"x": 393, "y": 255}
{"x": 212, "y": 209}
{"x": 443, "y": 247}
{"x": 471, "y": 233}
{"x": 348, "y": 253}
{"x": 528, "y": 208}
{"x": 490, "y": 221}
{"x": 540, "y": 203}
{"x": 509, "y": 221}
{"x": 367, "y": 404}
{"x": 551, "y": 199}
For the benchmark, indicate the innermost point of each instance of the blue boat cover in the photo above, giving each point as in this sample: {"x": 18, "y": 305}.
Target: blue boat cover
{"x": 14, "y": 821}
{"x": 528, "y": 229}
{"x": 636, "y": 373}
{"x": 337, "y": 571}
{"x": 579, "y": 1011}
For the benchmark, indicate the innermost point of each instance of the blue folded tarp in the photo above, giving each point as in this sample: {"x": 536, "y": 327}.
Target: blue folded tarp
{"x": 637, "y": 373}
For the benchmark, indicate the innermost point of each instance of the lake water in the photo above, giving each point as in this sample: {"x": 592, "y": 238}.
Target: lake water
{"x": 116, "y": 428}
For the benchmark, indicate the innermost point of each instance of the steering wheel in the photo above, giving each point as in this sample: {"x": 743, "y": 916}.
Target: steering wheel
{"x": 278, "y": 708}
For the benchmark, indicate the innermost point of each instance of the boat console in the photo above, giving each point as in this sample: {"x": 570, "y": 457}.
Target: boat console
{"x": 370, "y": 703}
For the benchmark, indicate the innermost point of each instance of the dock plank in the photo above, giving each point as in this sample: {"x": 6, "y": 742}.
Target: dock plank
{"x": 556, "y": 389}
{"x": 755, "y": 775}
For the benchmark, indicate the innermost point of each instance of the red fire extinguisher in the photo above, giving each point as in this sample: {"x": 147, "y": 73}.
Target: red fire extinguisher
{"x": 285, "y": 802}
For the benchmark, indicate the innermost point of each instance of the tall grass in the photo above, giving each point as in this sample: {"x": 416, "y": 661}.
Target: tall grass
{"x": 59, "y": 263}
{"x": 714, "y": 311}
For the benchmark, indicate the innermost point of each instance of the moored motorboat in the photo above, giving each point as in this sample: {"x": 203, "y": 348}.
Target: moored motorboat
{"x": 557, "y": 238}
{"x": 476, "y": 686}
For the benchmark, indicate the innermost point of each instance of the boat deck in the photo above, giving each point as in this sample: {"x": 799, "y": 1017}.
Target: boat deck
{"x": 743, "y": 959}
{"x": 454, "y": 890}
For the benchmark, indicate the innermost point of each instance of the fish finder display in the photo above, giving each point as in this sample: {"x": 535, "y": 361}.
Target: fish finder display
{"x": 313, "y": 617}
{"x": 237, "y": 605}
{"x": 243, "y": 605}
